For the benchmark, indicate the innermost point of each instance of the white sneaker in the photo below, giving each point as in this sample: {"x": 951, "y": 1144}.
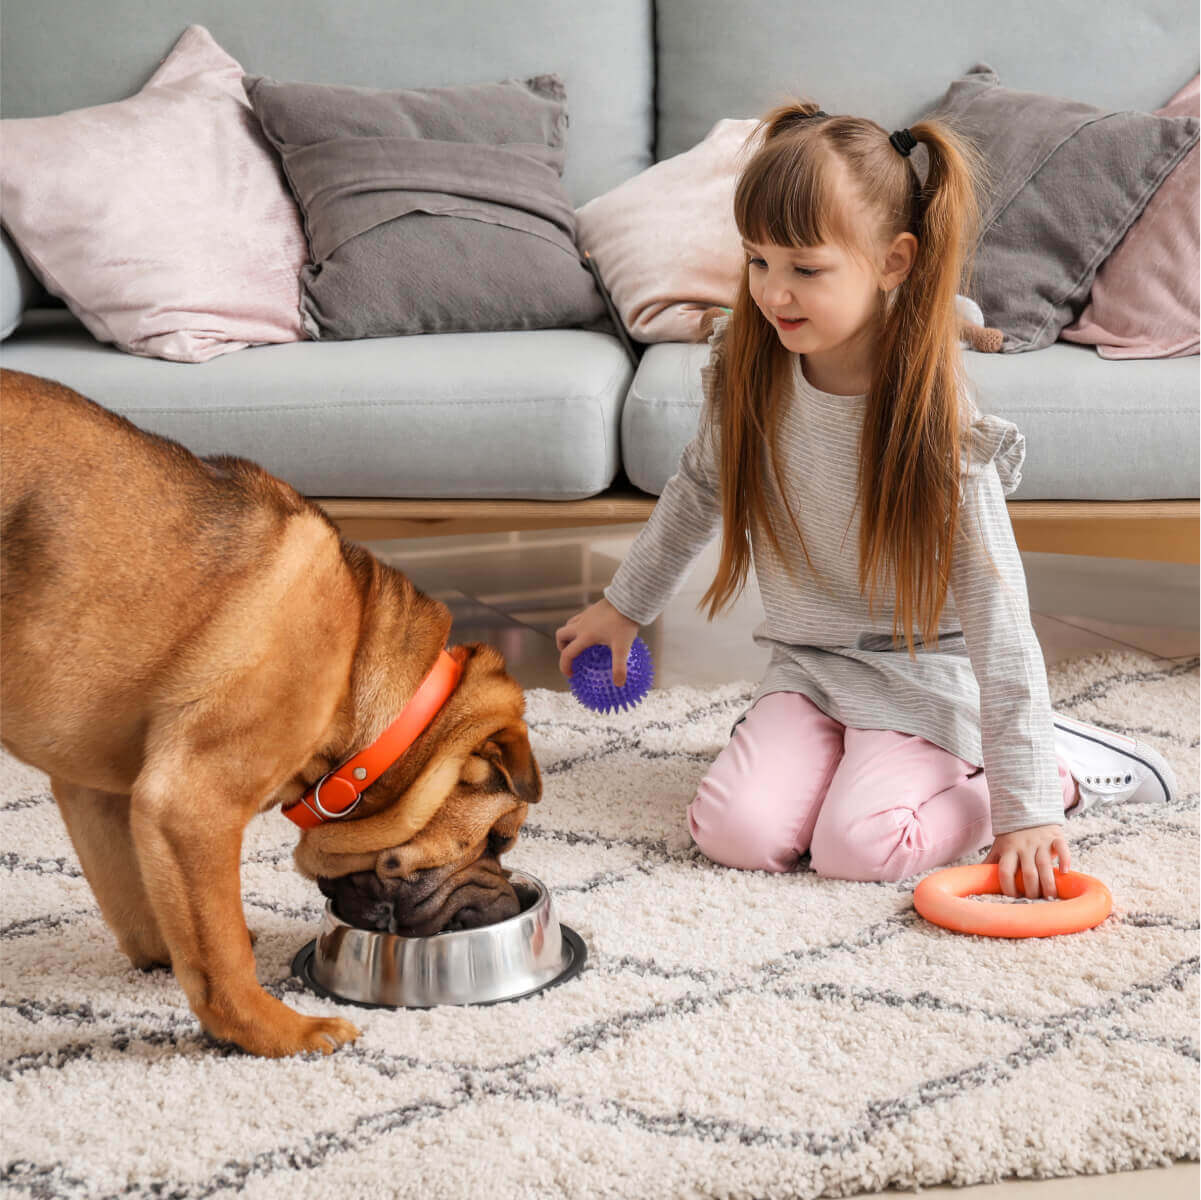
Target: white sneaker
{"x": 1109, "y": 767}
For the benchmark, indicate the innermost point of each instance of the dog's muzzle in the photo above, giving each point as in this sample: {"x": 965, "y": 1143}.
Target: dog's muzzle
{"x": 434, "y": 901}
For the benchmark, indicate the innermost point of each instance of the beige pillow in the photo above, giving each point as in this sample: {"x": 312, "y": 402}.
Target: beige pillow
{"x": 665, "y": 241}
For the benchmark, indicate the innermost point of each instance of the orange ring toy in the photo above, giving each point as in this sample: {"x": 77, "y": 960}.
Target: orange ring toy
{"x": 941, "y": 898}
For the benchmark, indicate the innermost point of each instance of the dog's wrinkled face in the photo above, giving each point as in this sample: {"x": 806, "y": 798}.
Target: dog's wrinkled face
{"x": 464, "y": 894}
{"x": 424, "y": 855}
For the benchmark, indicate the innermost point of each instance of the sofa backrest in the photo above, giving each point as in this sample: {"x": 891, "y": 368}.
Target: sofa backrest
{"x": 700, "y": 60}
{"x": 891, "y": 60}
{"x": 57, "y": 55}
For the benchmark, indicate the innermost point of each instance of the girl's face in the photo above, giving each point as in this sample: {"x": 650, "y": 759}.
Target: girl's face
{"x": 826, "y": 303}
{"x": 818, "y": 298}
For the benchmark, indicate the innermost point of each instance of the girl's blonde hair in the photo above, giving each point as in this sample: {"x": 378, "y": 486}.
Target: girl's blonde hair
{"x": 913, "y": 429}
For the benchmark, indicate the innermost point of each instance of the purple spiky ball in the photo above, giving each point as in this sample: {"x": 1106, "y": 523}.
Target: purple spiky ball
{"x": 592, "y": 678}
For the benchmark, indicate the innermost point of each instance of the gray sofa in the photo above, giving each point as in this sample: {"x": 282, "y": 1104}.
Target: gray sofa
{"x": 558, "y": 426}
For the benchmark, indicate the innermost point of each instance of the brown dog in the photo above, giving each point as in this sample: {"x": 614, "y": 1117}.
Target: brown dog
{"x": 187, "y": 643}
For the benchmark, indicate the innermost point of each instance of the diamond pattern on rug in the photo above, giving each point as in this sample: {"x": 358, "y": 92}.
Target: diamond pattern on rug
{"x": 733, "y": 1034}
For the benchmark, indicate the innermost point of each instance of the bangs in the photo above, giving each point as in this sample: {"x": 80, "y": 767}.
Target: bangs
{"x": 786, "y": 196}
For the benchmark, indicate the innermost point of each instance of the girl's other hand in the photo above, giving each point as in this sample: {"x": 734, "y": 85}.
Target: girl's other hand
{"x": 599, "y": 624}
{"x": 1031, "y": 850}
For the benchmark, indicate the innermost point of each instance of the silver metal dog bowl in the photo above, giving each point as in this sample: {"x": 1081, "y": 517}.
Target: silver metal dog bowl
{"x": 505, "y": 961}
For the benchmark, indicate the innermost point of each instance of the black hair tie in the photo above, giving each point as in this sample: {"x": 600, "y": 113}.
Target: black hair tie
{"x": 903, "y": 141}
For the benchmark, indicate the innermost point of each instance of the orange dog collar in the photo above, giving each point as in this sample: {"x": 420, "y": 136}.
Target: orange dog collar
{"x": 337, "y": 794}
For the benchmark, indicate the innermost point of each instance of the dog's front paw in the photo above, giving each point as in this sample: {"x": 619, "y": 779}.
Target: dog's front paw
{"x": 326, "y": 1034}
{"x": 301, "y": 1035}
{"x": 265, "y": 1026}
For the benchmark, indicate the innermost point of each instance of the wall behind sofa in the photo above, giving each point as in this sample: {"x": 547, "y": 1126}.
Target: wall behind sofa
{"x": 891, "y": 60}
{"x": 57, "y": 55}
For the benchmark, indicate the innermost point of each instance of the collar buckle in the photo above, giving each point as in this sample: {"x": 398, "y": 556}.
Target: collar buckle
{"x": 328, "y": 814}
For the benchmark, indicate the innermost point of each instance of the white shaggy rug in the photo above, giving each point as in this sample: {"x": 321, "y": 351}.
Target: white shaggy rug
{"x": 733, "y": 1034}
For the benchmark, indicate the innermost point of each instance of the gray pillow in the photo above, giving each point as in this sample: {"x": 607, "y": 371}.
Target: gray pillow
{"x": 1067, "y": 181}
{"x": 430, "y": 211}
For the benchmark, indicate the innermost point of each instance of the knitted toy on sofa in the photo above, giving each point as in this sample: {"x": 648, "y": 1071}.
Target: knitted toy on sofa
{"x": 981, "y": 338}
{"x": 972, "y": 329}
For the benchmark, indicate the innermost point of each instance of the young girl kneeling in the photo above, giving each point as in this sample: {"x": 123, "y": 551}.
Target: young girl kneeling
{"x": 840, "y": 450}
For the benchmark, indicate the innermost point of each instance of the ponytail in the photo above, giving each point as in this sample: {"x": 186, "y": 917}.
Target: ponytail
{"x": 915, "y": 428}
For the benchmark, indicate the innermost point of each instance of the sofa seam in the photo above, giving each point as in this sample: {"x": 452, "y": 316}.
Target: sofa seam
{"x": 1031, "y": 411}
{"x": 381, "y": 404}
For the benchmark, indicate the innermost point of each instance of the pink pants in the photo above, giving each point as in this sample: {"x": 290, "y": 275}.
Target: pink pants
{"x": 866, "y": 803}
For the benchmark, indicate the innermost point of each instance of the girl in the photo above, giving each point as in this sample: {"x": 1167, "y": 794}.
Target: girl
{"x": 841, "y": 451}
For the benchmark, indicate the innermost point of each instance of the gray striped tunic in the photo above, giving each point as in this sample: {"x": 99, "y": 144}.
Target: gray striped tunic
{"x": 981, "y": 693}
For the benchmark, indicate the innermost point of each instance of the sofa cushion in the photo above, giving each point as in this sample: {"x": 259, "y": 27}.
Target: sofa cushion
{"x": 1067, "y": 180}
{"x": 436, "y": 210}
{"x": 63, "y": 54}
{"x": 1094, "y": 430}
{"x": 162, "y": 220}
{"x": 525, "y": 415}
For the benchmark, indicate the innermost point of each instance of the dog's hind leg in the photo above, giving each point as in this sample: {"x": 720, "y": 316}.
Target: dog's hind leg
{"x": 99, "y": 825}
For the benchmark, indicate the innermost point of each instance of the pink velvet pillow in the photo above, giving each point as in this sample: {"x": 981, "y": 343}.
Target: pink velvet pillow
{"x": 665, "y": 241}
{"x": 163, "y": 220}
{"x": 1144, "y": 300}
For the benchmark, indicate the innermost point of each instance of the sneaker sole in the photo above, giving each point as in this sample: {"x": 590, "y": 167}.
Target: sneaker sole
{"x": 1140, "y": 752}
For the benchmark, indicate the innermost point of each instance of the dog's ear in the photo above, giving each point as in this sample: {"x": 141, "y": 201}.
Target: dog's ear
{"x": 508, "y": 750}
{"x": 503, "y": 769}
{"x": 485, "y": 824}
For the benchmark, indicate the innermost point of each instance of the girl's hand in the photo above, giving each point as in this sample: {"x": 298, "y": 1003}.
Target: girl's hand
{"x": 599, "y": 624}
{"x": 1031, "y": 850}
